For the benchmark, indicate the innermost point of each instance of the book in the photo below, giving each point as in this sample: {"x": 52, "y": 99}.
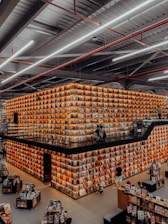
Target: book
{"x": 152, "y": 219}
{"x": 127, "y": 188}
{"x": 129, "y": 208}
{"x": 140, "y": 215}
{"x": 158, "y": 198}
{"x": 165, "y": 202}
{"x": 144, "y": 192}
{"x": 132, "y": 190}
{"x": 134, "y": 211}
{"x": 150, "y": 197}
{"x": 138, "y": 191}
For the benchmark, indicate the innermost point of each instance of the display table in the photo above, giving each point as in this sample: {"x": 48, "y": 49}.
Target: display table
{"x": 29, "y": 197}
{"x": 11, "y": 184}
{"x": 55, "y": 213}
{"x": 149, "y": 185}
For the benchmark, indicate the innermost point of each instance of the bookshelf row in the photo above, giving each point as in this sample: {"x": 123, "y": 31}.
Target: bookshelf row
{"x": 73, "y": 111}
{"x": 78, "y": 174}
{"x": 144, "y": 207}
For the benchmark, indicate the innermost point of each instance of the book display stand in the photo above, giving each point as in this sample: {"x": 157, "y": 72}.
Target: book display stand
{"x": 55, "y": 213}
{"x": 11, "y": 184}
{"x": 29, "y": 197}
{"x": 156, "y": 179}
{"x": 5, "y": 214}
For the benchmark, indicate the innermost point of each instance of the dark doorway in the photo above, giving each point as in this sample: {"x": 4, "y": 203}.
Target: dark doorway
{"x": 47, "y": 167}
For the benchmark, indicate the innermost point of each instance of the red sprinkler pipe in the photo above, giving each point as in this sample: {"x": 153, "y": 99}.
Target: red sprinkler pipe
{"x": 99, "y": 24}
{"x": 28, "y": 63}
{"x": 139, "y": 74}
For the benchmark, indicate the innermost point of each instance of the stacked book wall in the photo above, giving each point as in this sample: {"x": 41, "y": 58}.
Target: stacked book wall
{"x": 70, "y": 113}
{"x": 80, "y": 174}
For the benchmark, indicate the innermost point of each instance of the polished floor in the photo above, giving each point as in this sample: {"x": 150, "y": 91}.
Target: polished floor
{"x": 87, "y": 210}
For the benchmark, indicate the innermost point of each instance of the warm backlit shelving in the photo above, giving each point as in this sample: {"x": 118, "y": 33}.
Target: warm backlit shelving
{"x": 70, "y": 113}
{"x": 78, "y": 174}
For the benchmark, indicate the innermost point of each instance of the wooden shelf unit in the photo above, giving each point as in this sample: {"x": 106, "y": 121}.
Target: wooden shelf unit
{"x": 70, "y": 113}
{"x": 154, "y": 206}
{"x": 78, "y": 174}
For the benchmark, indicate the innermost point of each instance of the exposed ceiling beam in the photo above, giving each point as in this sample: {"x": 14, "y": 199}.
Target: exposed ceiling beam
{"x": 22, "y": 24}
{"x": 6, "y": 8}
{"x": 144, "y": 63}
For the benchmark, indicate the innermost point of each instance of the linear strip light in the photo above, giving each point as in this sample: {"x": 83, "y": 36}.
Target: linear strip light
{"x": 158, "y": 78}
{"x": 140, "y": 51}
{"x": 17, "y": 53}
{"x": 80, "y": 39}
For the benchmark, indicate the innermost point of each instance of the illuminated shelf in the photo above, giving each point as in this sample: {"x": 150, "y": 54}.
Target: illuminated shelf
{"x": 70, "y": 113}
{"x": 78, "y": 174}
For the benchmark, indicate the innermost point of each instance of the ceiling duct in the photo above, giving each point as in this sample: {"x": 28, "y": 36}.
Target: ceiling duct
{"x": 44, "y": 28}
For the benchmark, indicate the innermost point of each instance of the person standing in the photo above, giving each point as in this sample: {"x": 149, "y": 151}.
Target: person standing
{"x": 97, "y": 131}
{"x": 118, "y": 178}
{"x": 100, "y": 134}
{"x": 159, "y": 110}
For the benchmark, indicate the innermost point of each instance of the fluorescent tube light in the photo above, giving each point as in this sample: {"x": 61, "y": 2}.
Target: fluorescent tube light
{"x": 17, "y": 53}
{"x": 80, "y": 39}
{"x": 140, "y": 51}
{"x": 158, "y": 78}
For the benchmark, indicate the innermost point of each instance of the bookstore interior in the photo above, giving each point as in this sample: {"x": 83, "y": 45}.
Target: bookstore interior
{"x": 83, "y": 109}
{"x": 53, "y": 139}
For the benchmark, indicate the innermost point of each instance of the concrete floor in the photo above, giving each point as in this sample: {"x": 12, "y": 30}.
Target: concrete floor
{"x": 87, "y": 210}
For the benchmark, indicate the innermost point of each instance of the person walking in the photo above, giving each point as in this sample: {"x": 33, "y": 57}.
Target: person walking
{"x": 101, "y": 189}
{"x": 118, "y": 178}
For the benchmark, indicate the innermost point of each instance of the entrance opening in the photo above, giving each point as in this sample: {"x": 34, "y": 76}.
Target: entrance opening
{"x": 47, "y": 167}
